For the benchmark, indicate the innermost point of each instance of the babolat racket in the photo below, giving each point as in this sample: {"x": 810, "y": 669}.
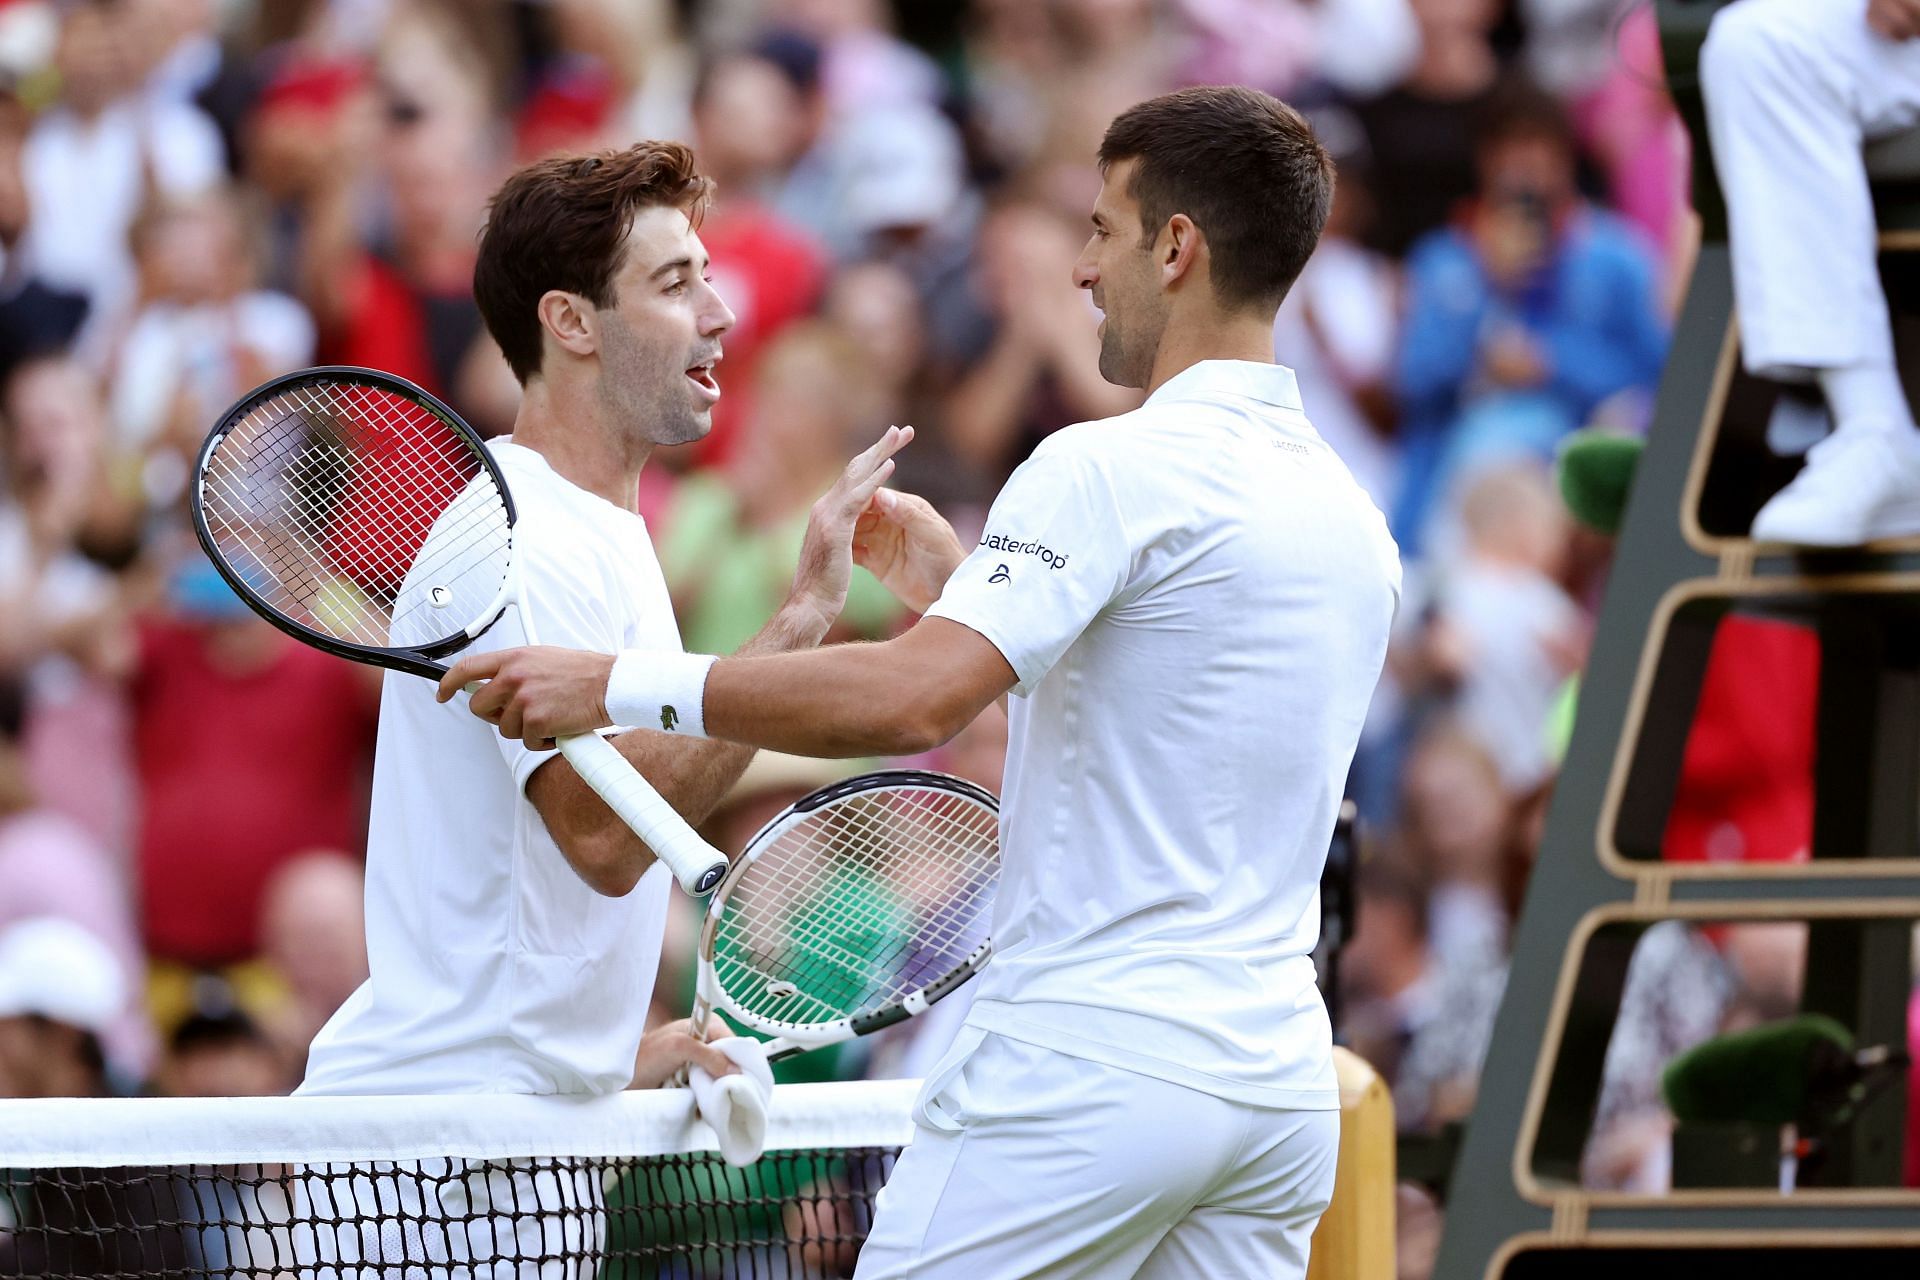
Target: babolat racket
{"x": 859, "y": 907}
{"x": 360, "y": 515}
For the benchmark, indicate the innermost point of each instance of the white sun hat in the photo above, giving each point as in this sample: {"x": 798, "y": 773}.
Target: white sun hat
{"x": 56, "y": 969}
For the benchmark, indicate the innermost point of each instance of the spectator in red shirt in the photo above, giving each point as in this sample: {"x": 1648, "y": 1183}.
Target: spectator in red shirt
{"x": 251, "y": 749}
{"x": 402, "y": 301}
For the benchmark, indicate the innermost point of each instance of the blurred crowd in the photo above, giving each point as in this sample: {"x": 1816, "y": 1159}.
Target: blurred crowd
{"x": 198, "y": 194}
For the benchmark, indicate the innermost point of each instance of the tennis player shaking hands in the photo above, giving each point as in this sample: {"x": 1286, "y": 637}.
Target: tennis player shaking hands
{"x": 1189, "y": 604}
{"x": 514, "y": 923}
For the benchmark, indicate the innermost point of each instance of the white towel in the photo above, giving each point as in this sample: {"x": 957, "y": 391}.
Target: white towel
{"x": 736, "y": 1105}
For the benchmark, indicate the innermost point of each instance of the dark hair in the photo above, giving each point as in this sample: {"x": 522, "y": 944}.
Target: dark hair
{"x": 1520, "y": 111}
{"x": 13, "y": 709}
{"x": 215, "y": 1019}
{"x": 793, "y": 57}
{"x": 562, "y": 224}
{"x": 1245, "y": 167}
{"x": 234, "y": 1028}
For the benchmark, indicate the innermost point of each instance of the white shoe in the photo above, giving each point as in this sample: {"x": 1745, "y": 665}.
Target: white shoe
{"x": 1860, "y": 484}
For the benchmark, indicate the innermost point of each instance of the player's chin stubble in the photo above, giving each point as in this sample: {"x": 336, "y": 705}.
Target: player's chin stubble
{"x": 657, "y": 396}
{"x": 1115, "y": 365}
{"x": 1110, "y": 357}
{"x": 680, "y": 419}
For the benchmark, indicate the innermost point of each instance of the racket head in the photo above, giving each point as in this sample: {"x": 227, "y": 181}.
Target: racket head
{"x": 317, "y": 495}
{"x": 857, "y": 907}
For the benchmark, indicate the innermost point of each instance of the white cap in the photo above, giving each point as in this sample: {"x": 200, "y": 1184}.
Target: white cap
{"x": 907, "y": 168}
{"x": 29, "y": 33}
{"x": 58, "y": 970}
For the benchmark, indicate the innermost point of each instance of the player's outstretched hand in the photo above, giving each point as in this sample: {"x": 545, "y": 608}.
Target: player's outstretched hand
{"x": 537, "y": 693}
{"x": 826, "y": 559}
{"x": 901, "y": 540}
{"x": 666, "y": 1052}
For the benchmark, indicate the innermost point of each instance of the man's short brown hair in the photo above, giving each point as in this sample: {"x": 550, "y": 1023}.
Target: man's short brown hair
{"x": 562, "y": 224}
{"x": 1245, "y": 167}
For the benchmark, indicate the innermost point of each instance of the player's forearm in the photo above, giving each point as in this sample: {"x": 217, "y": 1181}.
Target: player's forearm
{"x": 693, "y": 776}
{"x": 898, "y": 697}
{"x": 798, "y": 625}
{"x": 842, "y": 701}
{"x": 696, "y": 779}
{"x": 603, "y": 851}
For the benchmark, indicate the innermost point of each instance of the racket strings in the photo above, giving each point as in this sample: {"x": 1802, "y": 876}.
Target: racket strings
{"x": 302, "y": 542}
{"x": 921, "y": 882}
{"x": 944, "y": 933}
{"x": 329, "y": 498}
{"x": 289, "y": 437}
{"x": 859, "y": 904}
{"x": 247, "y": 470}
{"x": 438, "y": 455}
{"x": 308, "y": 431}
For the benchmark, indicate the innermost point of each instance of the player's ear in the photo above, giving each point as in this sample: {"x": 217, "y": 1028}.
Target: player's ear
{"x": 1177, "y": 249}
{"x": 571, "y": 321}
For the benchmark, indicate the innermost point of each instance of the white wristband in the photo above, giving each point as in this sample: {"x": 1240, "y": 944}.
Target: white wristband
{"x": 651, "y": 689}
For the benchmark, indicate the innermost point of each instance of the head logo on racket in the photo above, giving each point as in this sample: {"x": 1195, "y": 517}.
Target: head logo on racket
{"x": 439, "y": 597}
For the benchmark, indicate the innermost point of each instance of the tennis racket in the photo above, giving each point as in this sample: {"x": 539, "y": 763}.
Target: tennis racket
{"x": 360, "y": 515}
{"x": 860, "y": 906}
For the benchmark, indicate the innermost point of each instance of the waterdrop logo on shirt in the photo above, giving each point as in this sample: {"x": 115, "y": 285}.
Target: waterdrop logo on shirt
{"x": 1000, "y": 575}
{"x": 1046, "y": 555}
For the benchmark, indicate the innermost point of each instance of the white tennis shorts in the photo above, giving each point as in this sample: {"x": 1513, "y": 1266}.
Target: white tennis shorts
{"x": 1030, "y": 1163}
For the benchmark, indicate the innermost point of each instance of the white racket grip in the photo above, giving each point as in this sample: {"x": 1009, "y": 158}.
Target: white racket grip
{"x": 697, "y": 865}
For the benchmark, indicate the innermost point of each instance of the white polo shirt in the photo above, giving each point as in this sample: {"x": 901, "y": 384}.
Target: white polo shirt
{"x": 1196, "y": 598}
{"x": 495, "y": 969}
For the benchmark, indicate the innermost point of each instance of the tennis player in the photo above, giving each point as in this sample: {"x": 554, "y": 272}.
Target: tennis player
{"x": 1190, "y": 604}
{"x": 514, "y": 924}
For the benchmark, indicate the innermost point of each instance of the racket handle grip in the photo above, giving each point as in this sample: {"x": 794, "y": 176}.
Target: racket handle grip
{"x": 697, "y": 865}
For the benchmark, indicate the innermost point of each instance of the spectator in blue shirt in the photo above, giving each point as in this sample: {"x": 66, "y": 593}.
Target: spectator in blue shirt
{"x": 1522, "y": 316}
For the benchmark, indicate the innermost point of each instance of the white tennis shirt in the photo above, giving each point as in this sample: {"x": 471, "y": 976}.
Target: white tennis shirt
{"x": 1195, "y": 597}
{"x": 495, "y": 969}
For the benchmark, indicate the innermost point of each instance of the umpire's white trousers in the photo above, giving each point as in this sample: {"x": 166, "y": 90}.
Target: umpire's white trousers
{"x": 1793, "y": 89}
{"x": 1029, "y": 1163}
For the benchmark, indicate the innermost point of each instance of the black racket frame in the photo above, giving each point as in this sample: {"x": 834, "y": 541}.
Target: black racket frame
{"x": 417, "y": 660}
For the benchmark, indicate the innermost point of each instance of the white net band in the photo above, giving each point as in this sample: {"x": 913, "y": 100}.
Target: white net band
{"x": 126, "y": 1132}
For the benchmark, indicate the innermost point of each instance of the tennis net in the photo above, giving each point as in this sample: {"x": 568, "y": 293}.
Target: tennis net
{"x": 627, "y": 1187}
